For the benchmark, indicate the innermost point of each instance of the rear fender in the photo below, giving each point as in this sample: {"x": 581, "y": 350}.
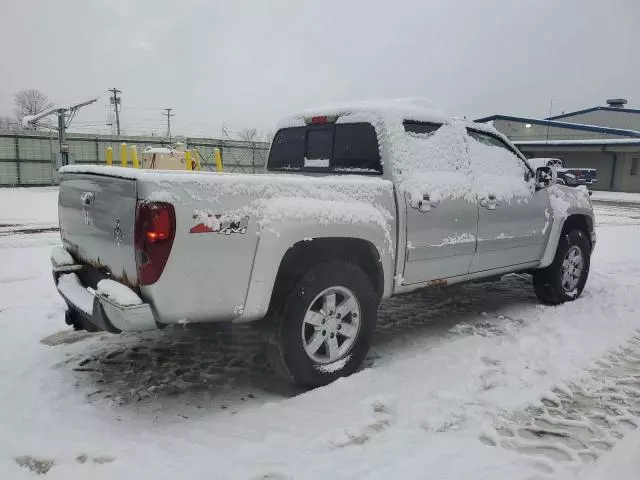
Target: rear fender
{"x": 277, "y": 238}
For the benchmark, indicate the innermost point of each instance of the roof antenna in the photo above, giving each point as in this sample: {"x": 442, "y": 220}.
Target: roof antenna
{"x": 546, "y": 143}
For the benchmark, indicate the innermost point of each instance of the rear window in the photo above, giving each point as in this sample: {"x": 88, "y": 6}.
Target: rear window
{"x": 289, "y": 144}
{"x": 340, "y": 148}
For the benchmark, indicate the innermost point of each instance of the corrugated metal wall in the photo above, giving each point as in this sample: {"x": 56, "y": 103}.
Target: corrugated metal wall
{"x": 606, "y": 118}
{"x": 33, "y": 159}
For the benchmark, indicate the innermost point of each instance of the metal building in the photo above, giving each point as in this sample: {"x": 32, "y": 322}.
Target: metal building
{"x": 606, "y": 138}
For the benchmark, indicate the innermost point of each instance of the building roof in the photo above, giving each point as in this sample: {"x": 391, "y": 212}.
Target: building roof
{"x": 595, "y": 109}
{"x": 571, "y": 126}
{"x": 580, "y": 143}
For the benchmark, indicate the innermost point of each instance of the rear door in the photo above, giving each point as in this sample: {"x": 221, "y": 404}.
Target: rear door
{"x": 97, "y": 216}
{"x": 441, "y": 231}
{"x": 511, "y": 229}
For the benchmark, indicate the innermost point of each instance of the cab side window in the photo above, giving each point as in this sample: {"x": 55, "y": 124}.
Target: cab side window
{"x": 490, "y": 154}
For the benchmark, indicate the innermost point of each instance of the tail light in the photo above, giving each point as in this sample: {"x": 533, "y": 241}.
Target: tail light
{"x": 154, "y": 233}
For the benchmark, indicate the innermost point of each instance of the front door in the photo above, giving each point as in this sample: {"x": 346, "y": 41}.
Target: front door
{"x": 513, "y": 216}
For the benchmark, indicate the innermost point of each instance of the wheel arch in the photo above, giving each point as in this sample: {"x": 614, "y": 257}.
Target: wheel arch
{"x": 580, "y": 220}
{"x": 306, "y": 254}
{"x": 286, "y": 247}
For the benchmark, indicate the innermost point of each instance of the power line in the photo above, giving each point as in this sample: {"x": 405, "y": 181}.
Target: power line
{"x": 115, "y": 101}
{"x": 168, "y": 114}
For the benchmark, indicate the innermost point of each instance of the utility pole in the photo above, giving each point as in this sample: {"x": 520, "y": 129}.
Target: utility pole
{"x": 115, "y": 101}
{"x": 64, "y": 147}
{"x": 65, "y": 115}
{"x": 168, "y": 114}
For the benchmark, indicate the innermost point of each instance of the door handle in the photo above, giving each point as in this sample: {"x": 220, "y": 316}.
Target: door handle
{"x": 489, "y": 202}
{"x": 424, "y": 204}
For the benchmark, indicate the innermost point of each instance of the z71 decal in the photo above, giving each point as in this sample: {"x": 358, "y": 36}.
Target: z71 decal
{"x": 213, "y": 224}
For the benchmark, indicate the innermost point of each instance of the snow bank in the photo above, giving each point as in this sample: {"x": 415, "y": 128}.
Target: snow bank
{"x": 118, "y": 293}
{"x": 616, "y": 197}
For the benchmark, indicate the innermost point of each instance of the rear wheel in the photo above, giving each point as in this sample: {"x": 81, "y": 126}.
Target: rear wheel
{"x": 325, "y": 327}
{"x": 565, "y": 278}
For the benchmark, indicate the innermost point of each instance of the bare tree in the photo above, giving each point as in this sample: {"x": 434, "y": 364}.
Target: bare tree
{"x": 267, "y": 135}
{"x": 8, "y": 123}
{"x": 248, "y": 134}
{"x": 30, "y": 102}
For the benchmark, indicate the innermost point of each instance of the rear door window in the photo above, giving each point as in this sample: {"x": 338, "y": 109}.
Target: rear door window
{"x": 340, "y": 148}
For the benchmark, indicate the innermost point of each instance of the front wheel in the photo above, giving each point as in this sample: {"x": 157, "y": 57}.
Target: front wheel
{"x": 324, "y": 330}
{"x": 565, "y": 278}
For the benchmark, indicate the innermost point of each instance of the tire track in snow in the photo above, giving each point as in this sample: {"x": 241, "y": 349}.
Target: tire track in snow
{"x": 574, "y": 425}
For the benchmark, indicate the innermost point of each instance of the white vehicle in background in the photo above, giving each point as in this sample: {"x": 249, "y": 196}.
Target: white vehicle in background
{"x": 358, "y": 203}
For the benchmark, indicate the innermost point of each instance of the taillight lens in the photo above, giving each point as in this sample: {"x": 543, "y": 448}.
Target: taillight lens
{"x": 154, "y": 234}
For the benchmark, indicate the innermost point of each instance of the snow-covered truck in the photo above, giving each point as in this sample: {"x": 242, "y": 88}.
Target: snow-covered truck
{"x": 357, "y": 204}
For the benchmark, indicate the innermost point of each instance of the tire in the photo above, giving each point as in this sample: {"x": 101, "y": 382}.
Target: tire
{"x": 550, "y": 285}
{"x": 342, "y": 341}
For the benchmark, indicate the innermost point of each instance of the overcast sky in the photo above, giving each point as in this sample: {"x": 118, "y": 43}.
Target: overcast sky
{"x": 246, "y": 63}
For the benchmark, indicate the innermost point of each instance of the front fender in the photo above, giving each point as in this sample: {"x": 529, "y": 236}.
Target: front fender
{"x": 566, "y": 202}
{"x": 278, "y": 237}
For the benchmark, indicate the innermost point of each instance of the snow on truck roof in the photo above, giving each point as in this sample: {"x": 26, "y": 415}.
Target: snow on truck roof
{"x": 388, "y": 111}
{"x": 414, "y": 108}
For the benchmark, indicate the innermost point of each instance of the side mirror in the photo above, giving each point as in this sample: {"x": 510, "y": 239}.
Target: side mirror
{"x": 545, "y": 176}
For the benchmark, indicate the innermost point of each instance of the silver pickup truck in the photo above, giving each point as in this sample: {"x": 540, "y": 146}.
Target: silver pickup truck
{"x": 357, "y": 204}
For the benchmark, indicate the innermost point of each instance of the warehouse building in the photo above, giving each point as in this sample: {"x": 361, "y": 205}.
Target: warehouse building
{"x": 604, "y": 137}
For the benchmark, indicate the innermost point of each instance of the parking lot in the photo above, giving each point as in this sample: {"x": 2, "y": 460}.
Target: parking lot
{"x": 481, "y": 369}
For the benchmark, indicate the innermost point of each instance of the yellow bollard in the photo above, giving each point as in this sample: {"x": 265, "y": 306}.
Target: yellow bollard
{"x": 123, "y": 154}
{"x": 108, "y": 156}
{"x": 134, "y": 156}
{"x": 187, "y": 159}
{"x": 218, "y": 156}
{"x": 196, "y": 158}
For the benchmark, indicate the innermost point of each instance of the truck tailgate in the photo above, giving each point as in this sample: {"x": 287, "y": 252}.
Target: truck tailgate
{"x": 97, "y": 220}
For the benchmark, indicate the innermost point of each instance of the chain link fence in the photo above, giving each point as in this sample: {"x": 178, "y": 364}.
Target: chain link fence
{"x": 33, "y": 158}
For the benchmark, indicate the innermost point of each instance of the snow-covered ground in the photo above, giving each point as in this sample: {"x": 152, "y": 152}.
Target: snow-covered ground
{"x": 477, "y": 381}
{"x": 30, "y": 206}
{"x": 616, "y": 197}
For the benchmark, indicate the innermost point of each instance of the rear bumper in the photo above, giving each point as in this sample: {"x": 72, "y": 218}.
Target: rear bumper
{"x": 97, "y": 309}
